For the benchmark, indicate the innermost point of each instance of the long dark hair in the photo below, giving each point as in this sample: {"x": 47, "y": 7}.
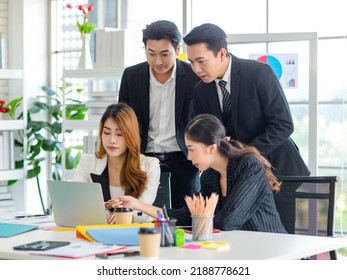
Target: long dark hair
{"x": 132, "y": 178}
{"x": 208, "y": 130}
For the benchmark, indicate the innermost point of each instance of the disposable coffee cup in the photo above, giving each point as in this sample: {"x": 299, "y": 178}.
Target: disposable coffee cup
{"x": 149, "y": 239}
{"x": 123, "y": 215}
{"x": 202, "y": 228}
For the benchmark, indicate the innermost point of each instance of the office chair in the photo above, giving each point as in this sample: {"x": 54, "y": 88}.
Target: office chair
{"x": 306, "y": 205}
{"x": 164, "y": 191}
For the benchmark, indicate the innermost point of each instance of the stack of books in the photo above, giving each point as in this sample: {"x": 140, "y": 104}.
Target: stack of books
{"x": 117, "y": 48}
{"x": 98, "y": 101}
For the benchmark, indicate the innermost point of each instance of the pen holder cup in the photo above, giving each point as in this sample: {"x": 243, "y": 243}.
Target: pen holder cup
{"x": 123, "y": 215}
{"x": 149, "y": 239}
{"x": 167, "y": 232}
{"x": 202, "y": 228}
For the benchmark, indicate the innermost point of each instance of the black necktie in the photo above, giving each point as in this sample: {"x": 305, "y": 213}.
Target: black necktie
{"x": 226, "y": 98}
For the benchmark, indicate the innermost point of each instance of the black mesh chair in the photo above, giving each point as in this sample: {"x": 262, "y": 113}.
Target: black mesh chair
{"x": 306, "y": 205}
{"x": 164, "y": 191}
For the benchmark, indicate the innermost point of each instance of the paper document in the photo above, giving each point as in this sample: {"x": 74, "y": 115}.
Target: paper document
{"x": 81, "y": 249}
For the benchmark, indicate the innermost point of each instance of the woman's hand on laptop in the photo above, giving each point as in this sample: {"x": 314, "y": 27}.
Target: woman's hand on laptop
{"x": 124, "y": 201}
{"x": 127, "y": 201}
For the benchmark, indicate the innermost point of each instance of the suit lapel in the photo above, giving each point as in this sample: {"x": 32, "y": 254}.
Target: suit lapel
{"x": 144, "y": 93}
{"x": 213, "y": 100}
{"x": 102, "y": 179}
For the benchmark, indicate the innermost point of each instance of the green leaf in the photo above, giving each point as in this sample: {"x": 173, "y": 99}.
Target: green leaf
{"x": 56, "y": 128}
{"x": 48, "y": 91}
{"x": 11, "y": 182}
{"x": 72, "y": 100}
{"x": 56, "y": 174}
{"x": 56, "y": 111}
{"x": 77, "y": 158}
{"x": 36, "y": 126}
{"x": 33, "y": 110}
{"x": 69, "y": 162}
{"x": 85, "y": 27}
{"x": 41, "y": 106}
{"x": 51, "y": 145}
{"x": 19, "y": 164}
{"x": 34, "y": 152}
{"x": 37, "y": 160}
{"x": 32, "y": 173}
{"x": 18, "y": 144}
{"x": 13, "y": 105}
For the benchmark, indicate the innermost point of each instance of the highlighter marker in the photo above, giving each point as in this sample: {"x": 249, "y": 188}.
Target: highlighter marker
{"x": 179, "y": 237}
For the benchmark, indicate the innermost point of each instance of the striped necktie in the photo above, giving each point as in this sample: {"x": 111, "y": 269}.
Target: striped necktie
{"x": 226, "y": 98}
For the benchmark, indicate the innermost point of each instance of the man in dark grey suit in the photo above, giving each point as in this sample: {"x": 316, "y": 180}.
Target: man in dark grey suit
{"x": 161, "y": 93}
{"x": 258, "y": 113}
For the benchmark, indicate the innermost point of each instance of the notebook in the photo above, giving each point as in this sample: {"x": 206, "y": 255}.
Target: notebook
{"x": 77, "y": 203}
{"x": 111, "y": 234}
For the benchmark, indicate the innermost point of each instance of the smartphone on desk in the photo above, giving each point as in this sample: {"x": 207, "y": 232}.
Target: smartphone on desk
{"x": 41, "y": 245}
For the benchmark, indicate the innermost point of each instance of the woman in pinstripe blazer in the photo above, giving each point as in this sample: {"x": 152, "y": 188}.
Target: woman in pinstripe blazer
{"x": 241, "y": 177}
{"x": 238, "y": 173}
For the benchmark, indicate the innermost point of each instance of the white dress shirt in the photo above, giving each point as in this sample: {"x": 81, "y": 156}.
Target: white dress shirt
{"x": 162, "y": 127}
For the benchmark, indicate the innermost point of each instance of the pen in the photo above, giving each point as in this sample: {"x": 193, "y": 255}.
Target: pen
{"x": 109, "y": 256}
{"x": 165, "y": 213}
{"x": 30, "y": 216}
{"x": 160, "y": 216}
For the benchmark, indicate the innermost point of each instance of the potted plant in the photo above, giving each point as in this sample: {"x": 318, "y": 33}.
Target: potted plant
{"x": 85, "y": 28}
{"x": 44, "y": 136}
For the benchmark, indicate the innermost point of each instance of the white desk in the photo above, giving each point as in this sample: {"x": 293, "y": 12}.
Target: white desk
{"x": 244, "y": 245}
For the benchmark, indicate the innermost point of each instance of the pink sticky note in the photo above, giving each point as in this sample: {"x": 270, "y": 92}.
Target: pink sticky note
{"x": 191, "y": 246}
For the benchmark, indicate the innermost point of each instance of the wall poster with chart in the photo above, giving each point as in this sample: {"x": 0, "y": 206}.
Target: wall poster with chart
{"x": 285, "y": 67}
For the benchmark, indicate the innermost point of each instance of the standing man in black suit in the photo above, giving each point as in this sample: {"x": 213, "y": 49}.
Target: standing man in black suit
{"x": 161, "y": 93}
{"x": 257, "y": 112}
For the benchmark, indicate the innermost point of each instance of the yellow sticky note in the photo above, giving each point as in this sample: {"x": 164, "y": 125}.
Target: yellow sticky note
{"x": 219, "y": 246}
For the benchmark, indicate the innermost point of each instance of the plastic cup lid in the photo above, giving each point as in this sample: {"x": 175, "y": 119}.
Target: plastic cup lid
{"x": 121, "y": 209}
{"x": 148, "y": 230}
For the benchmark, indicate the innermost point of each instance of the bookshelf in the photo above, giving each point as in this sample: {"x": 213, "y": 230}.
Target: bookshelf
{"x": 101, "y": 89}
{"x": 8, "y": 129}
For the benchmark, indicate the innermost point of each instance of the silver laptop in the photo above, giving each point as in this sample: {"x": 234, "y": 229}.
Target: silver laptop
{"x": 77, "y": 203}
